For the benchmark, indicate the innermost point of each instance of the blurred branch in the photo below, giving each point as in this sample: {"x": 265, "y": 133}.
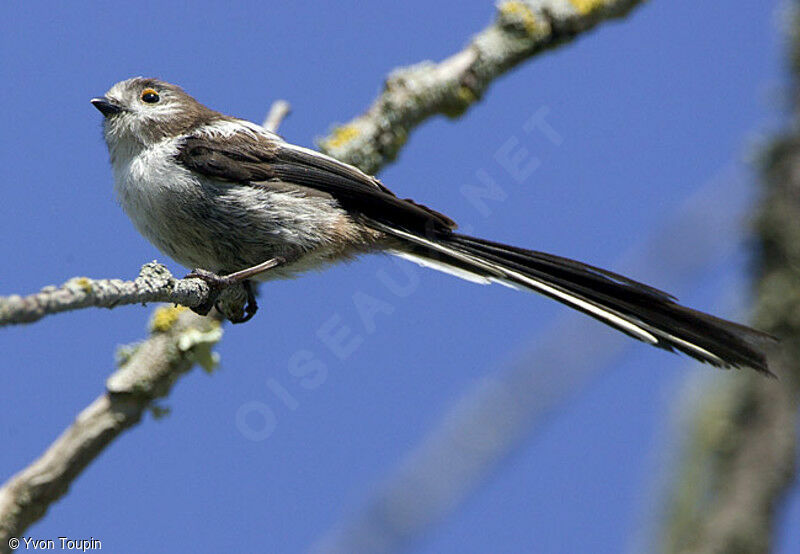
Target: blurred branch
{"x": 737, "y": 466}
{"x": 277, "y": 113}
{"x": 411, "y": 95}
{"x": 741, "y": 456}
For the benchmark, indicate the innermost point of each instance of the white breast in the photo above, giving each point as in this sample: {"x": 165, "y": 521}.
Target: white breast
{"x": 150, "y": 185}
{"x": 140, "y": 176}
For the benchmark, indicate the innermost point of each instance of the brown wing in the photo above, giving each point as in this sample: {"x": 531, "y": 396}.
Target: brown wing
{"x": 258, "y": 160}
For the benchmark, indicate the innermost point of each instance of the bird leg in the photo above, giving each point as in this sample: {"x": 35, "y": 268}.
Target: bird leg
{"x": 218, "y": 283}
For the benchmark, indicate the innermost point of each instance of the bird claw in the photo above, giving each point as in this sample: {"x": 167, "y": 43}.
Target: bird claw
{"x": 251, "y": 307}
{"x": 217, "y": 284}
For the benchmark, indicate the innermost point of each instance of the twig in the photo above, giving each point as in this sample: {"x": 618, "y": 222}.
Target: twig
{"x": 154, "y": 284}
{"x": 277, "y": 113}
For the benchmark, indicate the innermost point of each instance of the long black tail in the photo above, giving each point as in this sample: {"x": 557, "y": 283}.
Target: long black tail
{"x": 645, "y": 313}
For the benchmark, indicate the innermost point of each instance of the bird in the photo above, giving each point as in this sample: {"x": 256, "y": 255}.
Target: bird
{"x": 238, "y": 203}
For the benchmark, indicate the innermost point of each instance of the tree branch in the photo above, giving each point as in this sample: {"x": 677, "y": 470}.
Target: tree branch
{"x": 178, "y": 340}
{"x": 738, "y": 464}
{"x": 181, "y": 338}
{"x": 154, "y": 284}
{"x": 522, "y": 28}
{"x": 741, "y": 455}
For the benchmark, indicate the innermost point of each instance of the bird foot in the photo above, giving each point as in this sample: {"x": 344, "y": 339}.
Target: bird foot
{"x": 242, "y": 311}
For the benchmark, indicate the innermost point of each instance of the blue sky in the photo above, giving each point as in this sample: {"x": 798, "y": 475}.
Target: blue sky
{"x": 650, "y": 111}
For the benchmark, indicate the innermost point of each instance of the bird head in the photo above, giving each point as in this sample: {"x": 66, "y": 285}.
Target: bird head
{"x": 144, "y": 111}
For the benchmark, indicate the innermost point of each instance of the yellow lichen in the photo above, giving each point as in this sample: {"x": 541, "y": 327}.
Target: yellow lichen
{"x": 466, "y": 95}
{"x": 514, "y": 9}
{"x": 588, "y": 6}
{"x": 164, "y": 318}
{"x": 342, "y": 135}
{"x": 84, "y": 283}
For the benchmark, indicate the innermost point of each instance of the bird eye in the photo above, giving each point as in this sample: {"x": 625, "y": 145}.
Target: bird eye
{"x": 150, "y": 96}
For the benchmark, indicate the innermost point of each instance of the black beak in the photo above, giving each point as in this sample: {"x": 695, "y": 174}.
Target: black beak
{"x": 106, "y": 106}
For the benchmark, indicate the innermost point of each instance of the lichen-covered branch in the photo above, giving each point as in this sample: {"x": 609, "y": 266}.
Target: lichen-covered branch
{"x": 178, "y": 340}
{"x": 154, "y": 284}
{"x": 522, "y": 28}
{"x": 737, "y": 467}
{"x": 742, "y": 454}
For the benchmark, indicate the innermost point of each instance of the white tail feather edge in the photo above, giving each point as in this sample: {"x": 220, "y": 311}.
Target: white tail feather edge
{"x": 638, "y": 329}
{"x": 444, "y": 268}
